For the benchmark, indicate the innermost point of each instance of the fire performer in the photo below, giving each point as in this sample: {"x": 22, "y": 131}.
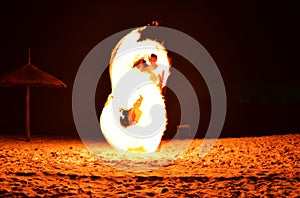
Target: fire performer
{"x": 158, "y": 75}
{"x": 145, "y": 63}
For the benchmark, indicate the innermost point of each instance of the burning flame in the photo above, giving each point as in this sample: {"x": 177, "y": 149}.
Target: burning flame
{"x": 134, "y": 59}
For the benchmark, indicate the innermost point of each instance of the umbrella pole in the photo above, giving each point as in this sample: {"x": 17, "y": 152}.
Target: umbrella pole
{"x": 27, "y": 114}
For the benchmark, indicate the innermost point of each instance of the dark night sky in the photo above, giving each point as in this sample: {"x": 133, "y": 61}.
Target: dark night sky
{"x": 254, "y": 44}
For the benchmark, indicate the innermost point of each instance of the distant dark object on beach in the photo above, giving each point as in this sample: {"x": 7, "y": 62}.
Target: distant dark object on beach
{"x": 30, "y": 76}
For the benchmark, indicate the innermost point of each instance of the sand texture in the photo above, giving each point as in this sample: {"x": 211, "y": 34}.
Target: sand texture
{"x": 235, "y": 167}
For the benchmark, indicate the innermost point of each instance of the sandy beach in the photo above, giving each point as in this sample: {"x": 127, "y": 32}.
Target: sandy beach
{"x": 235, "y": 167}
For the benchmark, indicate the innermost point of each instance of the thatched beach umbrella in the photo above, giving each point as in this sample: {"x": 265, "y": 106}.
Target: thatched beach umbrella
{"x": 30, "y": 76}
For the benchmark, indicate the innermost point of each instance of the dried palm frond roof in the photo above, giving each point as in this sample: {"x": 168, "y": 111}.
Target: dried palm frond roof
{"x": 29, "y": 75}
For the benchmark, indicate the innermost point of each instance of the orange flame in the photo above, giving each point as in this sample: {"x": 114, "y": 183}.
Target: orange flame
{"x": 146, "y": 59}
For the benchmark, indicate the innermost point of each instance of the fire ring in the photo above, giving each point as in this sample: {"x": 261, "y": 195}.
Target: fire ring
{"x": 96, "y": 61}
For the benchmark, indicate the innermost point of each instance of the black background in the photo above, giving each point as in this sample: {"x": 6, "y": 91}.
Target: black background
{"x": 255, "y": 45}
